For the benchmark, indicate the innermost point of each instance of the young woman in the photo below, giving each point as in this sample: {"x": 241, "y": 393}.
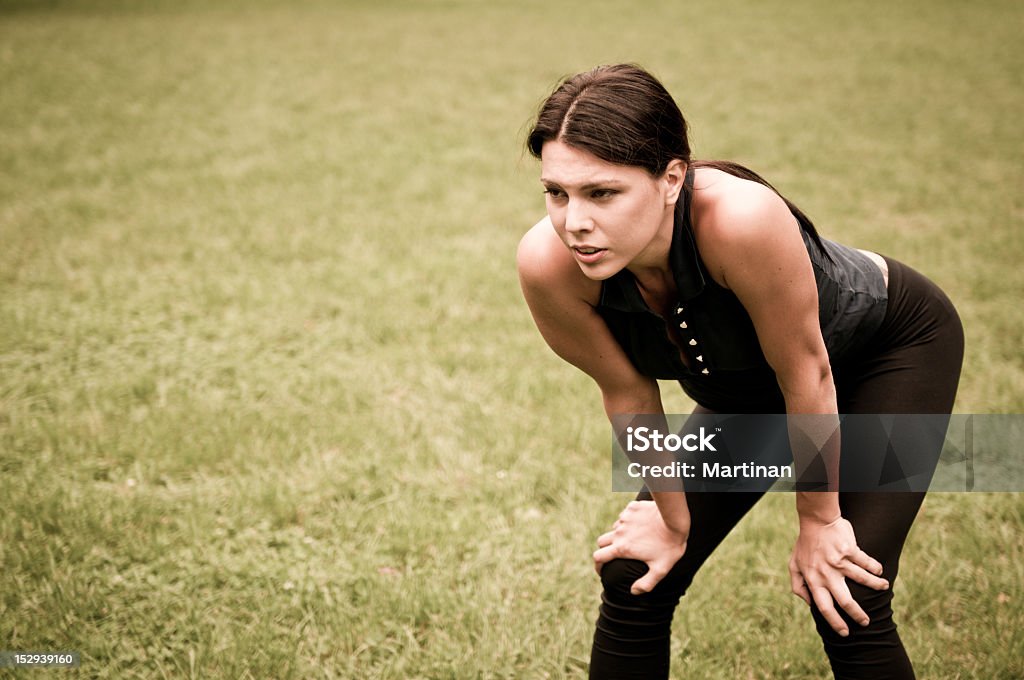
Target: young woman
{"x": 651, "y": 265}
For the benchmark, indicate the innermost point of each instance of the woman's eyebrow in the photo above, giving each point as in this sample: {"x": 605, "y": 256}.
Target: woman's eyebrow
{"x": 596, "y": 184}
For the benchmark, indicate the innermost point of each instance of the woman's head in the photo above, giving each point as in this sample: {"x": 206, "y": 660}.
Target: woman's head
{"x": 619, "y": 113}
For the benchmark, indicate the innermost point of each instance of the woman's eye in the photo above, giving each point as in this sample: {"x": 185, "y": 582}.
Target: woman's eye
{"x": 554, "y": 193}
{"x": 602, "y": 193}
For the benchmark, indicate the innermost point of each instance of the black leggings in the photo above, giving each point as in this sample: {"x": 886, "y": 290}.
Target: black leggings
{"x": 912, "y": 365}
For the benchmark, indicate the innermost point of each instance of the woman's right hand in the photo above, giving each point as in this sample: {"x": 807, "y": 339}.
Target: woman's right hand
{"x": 641, "y": 533}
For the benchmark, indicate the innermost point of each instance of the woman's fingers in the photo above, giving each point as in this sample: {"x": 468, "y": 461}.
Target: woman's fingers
{"x": 828, "y": 593}
{"x": 855, "y": 573}
{"x": 799, "y": 586}
{"x": 646, "y": 583}
{"x": 607, "y": 551}
{"x": 869, "y": 563}
{"x": 604, "y": 554}
{"x": 826, "y": 597}
{"x": 843, "y": 598}
{"x": 800, "y": 589}
{"x": 823, "y": 600}
{"x": 869, "y": 572}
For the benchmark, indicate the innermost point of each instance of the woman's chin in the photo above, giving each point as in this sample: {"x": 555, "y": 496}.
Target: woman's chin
{"x": 600, "y": 271}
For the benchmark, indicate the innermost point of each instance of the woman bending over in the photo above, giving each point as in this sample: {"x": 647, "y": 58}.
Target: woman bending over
{"x": 651, "y": 265}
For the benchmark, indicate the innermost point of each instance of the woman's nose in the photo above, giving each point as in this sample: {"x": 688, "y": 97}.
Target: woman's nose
{"x": 577, "y": 220}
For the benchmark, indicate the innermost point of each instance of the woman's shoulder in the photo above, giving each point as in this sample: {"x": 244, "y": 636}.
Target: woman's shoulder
{"x": 724, "y": 202}
{"x": 545, "y": 263}
{"x": 538, "y": 242}
{"x": 732, "y": 216}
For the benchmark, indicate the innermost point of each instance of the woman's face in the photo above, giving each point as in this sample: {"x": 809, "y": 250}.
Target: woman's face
{"x": 610, "y": 216}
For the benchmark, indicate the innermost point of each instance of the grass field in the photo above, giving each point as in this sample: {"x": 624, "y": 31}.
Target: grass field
{"x": 271, "y": 405}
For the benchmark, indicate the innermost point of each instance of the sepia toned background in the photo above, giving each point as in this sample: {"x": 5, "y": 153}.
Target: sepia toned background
{"x": 271, "y": 404}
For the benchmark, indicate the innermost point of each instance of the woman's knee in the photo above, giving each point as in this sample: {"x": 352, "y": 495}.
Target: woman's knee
{"x": 618, "y": 577}
{"x": 871, "y": 651}
{"x": 877, "y": 604}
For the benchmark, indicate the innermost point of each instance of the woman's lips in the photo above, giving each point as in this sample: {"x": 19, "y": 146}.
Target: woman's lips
{"x": 588, "y": 254}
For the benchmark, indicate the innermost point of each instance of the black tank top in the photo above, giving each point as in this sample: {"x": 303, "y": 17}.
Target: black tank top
{"x": 727, "y": 370}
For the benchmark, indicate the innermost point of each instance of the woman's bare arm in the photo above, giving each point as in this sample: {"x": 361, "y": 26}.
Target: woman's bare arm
{"x": 562, "y": 301}
{"x": 753, "y": 246}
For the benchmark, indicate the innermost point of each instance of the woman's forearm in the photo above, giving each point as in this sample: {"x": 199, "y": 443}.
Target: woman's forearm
{"x": 813, "y": 423}
{"x": 645, "y": 400}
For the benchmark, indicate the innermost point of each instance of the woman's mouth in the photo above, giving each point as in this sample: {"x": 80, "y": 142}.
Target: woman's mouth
{"x": 588, "y": 254}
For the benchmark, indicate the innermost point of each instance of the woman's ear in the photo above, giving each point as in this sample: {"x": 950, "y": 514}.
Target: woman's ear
{"x": 672, "y": 180}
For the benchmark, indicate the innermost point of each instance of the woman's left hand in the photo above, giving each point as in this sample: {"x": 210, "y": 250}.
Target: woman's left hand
{"x": 824, "y": 556}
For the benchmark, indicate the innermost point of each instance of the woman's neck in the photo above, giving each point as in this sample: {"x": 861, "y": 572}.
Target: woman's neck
{"x": 658, "y": 289}
{"x": 651, "y": 268}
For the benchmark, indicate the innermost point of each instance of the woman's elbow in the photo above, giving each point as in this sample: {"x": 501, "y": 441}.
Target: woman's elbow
{"x": 811, "y": 383}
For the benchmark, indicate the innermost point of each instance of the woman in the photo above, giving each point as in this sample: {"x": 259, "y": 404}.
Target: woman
{"x": 651, "y": 265}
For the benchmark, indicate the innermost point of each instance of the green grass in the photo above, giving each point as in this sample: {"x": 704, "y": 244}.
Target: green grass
{"x": 271, "y": 405}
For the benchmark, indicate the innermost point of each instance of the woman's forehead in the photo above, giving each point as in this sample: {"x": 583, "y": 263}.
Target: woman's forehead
{"x": 566, "y": 165}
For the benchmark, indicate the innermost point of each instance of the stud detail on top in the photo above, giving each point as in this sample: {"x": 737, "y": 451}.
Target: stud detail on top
{"x": 706, "y": 372}
{"x": 682, "y": 324}
{"x": 693, "y": 342}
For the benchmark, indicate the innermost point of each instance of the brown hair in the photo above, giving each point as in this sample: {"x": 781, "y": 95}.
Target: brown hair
{"x": 624, "y": 115}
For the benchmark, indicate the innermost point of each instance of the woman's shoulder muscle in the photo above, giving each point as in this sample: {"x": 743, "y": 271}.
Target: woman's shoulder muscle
{"x": 730, "y": 212}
